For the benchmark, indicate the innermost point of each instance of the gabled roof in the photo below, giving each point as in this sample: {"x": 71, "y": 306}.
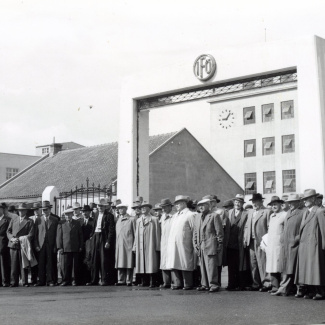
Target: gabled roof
{"x": 70, "y": 168}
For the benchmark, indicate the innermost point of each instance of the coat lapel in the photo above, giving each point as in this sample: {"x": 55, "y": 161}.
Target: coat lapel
{"x": 206, "y": 220}
{"x": 3, "y": 221}
{"x": 237, "y": 218}
{"x": 311, "y": 215}
{"x": 22, "y": 224}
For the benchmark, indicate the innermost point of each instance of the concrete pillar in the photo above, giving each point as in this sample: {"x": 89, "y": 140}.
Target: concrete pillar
{"x": 48, "y": 195}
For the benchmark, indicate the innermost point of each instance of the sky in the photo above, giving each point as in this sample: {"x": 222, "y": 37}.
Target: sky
{"x": 62, "y": 63}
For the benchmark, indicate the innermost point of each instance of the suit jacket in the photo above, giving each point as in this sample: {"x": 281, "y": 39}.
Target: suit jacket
{"x": 236, "y": 227}
{"x": 55, "y": 216}
{"x": 69, "y": 236}
{"x": 87, "y": 229}
{"x": 4, "y": 224}
{"x": 41, "y": 232}
{"x": 17, "y": 229}
{"x": 209, "y": 235}
{"x": 108, "y": 228}
{"x": 260, "y": 226}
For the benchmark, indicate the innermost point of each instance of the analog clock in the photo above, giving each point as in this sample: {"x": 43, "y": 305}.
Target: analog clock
{"x": 226, "y": 119}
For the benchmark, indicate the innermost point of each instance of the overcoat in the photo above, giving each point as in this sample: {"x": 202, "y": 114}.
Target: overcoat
{"x": 180, "y": 249}
{"x": 69, "y": 236}
{"x": 290, "y": 240}
{"x": 311, "y": 252}
{"x": 208, "y": 236}
{"x": 165, "y": 222}
{"x": 40, "y": 231}
{"x": 274, "y": 243}
{"x": 125, "y": 233}
{"x": 147, "y": 244}
{"x": 17, "y": 229}
{"x": 4, "y": 224}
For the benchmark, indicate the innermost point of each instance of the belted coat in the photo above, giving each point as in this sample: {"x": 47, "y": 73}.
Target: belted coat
{"x": 165, "y": 222}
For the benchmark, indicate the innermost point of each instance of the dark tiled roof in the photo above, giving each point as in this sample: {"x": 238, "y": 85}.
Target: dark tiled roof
{"x": 70, "y": 168}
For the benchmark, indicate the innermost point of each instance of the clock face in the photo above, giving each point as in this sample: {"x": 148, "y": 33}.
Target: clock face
{"x": 226, "y": 119}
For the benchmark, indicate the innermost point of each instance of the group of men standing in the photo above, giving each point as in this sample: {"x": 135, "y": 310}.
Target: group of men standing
{"x": 278, "y": 249}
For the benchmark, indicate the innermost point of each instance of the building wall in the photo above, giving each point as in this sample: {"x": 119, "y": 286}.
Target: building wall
{"x": 227, "y": 144}
{"x": 20, "y": 162}
{"x": 183, "y": 166}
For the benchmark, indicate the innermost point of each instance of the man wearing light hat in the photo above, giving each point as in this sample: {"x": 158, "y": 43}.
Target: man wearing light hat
{"x": 290, "y": 238}
{"x": 311, "y": 252}
{"x": 256, "y": 227}
{"x": 237, "y": 255}
{"x": 180, "y": 250}
{"x": 125, "y": 233}
{"x": 20, "y": 226}
{"x": 157, "y": 210}
{"x": 103, "y": 254}
{"x": 77, "y": 215}
{"x": 208, "y": 242}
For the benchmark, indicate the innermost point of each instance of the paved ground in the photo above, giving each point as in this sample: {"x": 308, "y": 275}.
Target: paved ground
{"x": 127, "y": 305}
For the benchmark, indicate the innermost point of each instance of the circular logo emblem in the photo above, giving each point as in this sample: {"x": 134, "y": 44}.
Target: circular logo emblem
{"x": 204, "y": 67}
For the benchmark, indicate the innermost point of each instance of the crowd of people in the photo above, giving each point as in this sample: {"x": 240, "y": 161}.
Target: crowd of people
{"x": 278, "y": 248}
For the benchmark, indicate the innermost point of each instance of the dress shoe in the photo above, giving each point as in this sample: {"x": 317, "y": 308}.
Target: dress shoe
{"x": 252, "y": 289}
{"x": 308, "y": 296}
{"x": 6, "y": 285}
{"x": 176, "y": 288}
{"x": 74, "y": 284}
{"x": 119, "y": 284}
{"x": 64, "y": 284}
{"x": 51, "y": 284}
{"x": 276, "y": 293}
{"x": 214, "y": 289}
{"x": 129, "y": 284}
{"x": 318, "y": 297}
{"x": 91, "y": 284}
{"x": 104, "y": 284}
{"x": 299, "y": 295}
{"x": 264, "y": 289}
{"x": 202, "y": 288}
{"x": 188, "y": 288}
{"x": 164, "y": 286}
{"x": 230, "y": 288}
{"x": 39, "y": 285}
{"x": 26, "y": 285}
{"x": 152, "y": 286}
{"x": 13, "y": 285}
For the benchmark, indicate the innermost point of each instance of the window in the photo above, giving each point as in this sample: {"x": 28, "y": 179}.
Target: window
{"x": 250, "y": 148}
{"x": 11, "y": 172}
{"x": 268, "y": 182}
{"x": 289, "y": 180}
{"x": 250, "y": 183}
{"x": 268, "y": 146}
{"x": 267, "y": 112}
{"x": 287, "y": 110}
{"x": 45, "y": 150}
{"x": 288, "y": 143}
{"x": 249, "y": 115}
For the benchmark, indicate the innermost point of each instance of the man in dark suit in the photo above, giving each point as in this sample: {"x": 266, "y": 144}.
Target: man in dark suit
{"x": 208, "y": 241}
{"x": 69, "y": 241}
{"x": 4, "y": 250}
{"x": 256, "y": 227}
{"x": 236, "y": 218}
{"x": 45, "y": 244}
{"x": 103, "y": 253}
{"x": 18, "y": 227}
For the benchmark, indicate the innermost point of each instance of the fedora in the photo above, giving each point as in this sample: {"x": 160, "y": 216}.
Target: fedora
{"x": 293, "y": 197}
{"x": 116, "y": 203}
{"x": 275, "y": 199}
{"x": 46, "y": 205}
{"x": 103, "y": 202}
{"x": 76, "y": 205}
{"x": 11, "y": 208}
{"x": 146, "y": 204}
{"x": 36, "y": 206}
{"x": 121, "y": 205}
{"x": 157, "y": 207}
{"x": 92, "y": 205}
{"x": 228, "y": 203}
{"x": 69, "y": 209}
{"x": 138, "y": 199}
{"x": 203, "y": 201}
{"x": 284, "y": 197}
{"x": 136, "y": 206}
{"x": 211, "y": 198}
{"x": 239, "y": 197}
{"x": 320, "y": 196}
{"x": 22, "y": 206}
{"x": 86, "y": 208}
{"x": 165, "y": 202}
{"x": 179, "y": 198}
{"x": 257, "y": 197}
{"x": 309, "y": 193}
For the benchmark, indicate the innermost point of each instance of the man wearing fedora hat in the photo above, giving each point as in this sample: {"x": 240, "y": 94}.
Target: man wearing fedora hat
{"x": 157, "y": 211}
{"x": 290, "y": 239}
{"x": 19, "y": 227}
{"x": 125, "y": 234}
{"x": 180, "y": 249}
{"x": 4, "y": 250}
{"x": 274, "y": 248}
{"x": 45, "y": 244}
{"x": 310, "y": 269}
{"x": 103, "y": 254}
{"x": 237, "y": 255}
{"x": 256, "y": 227}
{"x": 165, "y": 222}
{"x": 69, "y": 242}
{"x": 6, "y": 211}
{"x": 208, "y": 242}
{"x": 147, "y": 245}
{"x": 77, "y": 215}
{"x": 115, "y": 210}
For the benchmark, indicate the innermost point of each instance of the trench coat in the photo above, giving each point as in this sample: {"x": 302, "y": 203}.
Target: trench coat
{"x": 290, "y": 240}
{"x": 180, "y": 249}
{"x": 125, "y": 232}
{"x": 274, "y": 243}
{"x": 311, "y": 252}
{"x": 147, "y": 244}
{"x": 165, "y": 222}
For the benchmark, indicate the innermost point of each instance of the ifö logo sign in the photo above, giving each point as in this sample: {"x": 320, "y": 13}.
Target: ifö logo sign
{"x": 204, "y": 67}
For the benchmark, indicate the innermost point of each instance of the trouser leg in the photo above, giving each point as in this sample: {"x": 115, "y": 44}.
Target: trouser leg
{"x": 275, "y": 281}
{"x": 42, "y": 259}
{"x": 213, "y": 274}
{"x": 261, "y": 260}
{"x": 254, "y": 266}
{"x": 121, "y": 275}
{"x": 166, "y": 274}
{"x": 68, "y": 264}
{"x": 233, "y": 268}
{"x": 15, "y": 267}
{"x": 176, "y": 277}
{"x": 34, "y": 270}
{"x": 96, "y": 260}
{"x": 5, "y": 266}
{"x": 129, "y": 274}
{"x": 219, "y": 268}
{"x": 188, "y": 279}
{"x": 23, "y": 272}
{"x": 76, "y": 269}
{"x": 286, "y": 283}
{"x": 204, "y": 270}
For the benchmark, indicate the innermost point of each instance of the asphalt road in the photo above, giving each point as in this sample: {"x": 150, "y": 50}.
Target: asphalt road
{"x": 130, "y": 305}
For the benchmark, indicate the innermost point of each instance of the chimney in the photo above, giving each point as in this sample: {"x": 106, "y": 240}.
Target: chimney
{"x": 55, "y": 148}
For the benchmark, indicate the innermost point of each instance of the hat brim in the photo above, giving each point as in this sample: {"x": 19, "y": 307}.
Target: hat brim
{"x": 184, "y": 200}
{"x": 50, "y": 206}
{"x": 260, "y": 199}
{"x": 146, "y": 205}
{"x": 276, "y": 201}
{"x": 22, "y": 209}
{"x": 166, "y": 205}
{"x": 155, "y": 209}
{"x": 306, "y": 197}
{"x": 296, "y": 200}
{"x": 68, "y": 211}
{"x": 83, "y": 210}
{"x": 238, "y": 199}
